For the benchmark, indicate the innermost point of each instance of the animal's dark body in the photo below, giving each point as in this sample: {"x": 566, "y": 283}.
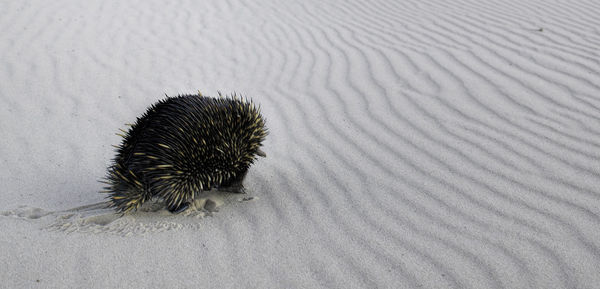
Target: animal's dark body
{"x": 182, "y": 146}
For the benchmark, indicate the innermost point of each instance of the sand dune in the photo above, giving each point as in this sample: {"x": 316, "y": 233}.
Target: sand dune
{"x": 412, "y": 144}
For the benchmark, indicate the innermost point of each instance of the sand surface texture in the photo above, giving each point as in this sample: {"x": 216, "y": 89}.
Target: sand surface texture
{"x": 413, "y": 144}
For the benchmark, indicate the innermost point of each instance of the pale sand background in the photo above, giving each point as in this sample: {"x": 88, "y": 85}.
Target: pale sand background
{"x": 414, "y": 144}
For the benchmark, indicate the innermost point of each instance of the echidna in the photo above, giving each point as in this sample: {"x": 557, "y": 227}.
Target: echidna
{"x": 182, "y": 146}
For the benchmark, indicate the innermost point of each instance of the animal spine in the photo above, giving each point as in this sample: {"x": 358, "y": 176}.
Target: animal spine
{"x": 182, "y": 146}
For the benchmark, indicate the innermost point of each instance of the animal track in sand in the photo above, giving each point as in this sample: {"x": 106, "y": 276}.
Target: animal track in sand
{"x": 99, "y": 218}
{"x": 26, "y": 212}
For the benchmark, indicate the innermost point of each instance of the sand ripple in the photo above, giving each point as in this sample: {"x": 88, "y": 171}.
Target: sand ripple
{"x": 413, "y": 144}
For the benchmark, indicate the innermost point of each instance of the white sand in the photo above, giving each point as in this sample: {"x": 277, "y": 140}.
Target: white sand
{"x": 413, "y": 144}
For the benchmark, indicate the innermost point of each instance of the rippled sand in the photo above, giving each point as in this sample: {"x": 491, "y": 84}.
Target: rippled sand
{"x": 413, "y": 144}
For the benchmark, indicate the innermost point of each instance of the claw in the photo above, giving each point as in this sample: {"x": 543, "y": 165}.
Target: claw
{"x": 180, "y": 208}
{"x": 234, "y": 189}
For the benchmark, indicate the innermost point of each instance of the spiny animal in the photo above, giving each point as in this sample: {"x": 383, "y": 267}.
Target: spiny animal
{"x": 184, "y": 145}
